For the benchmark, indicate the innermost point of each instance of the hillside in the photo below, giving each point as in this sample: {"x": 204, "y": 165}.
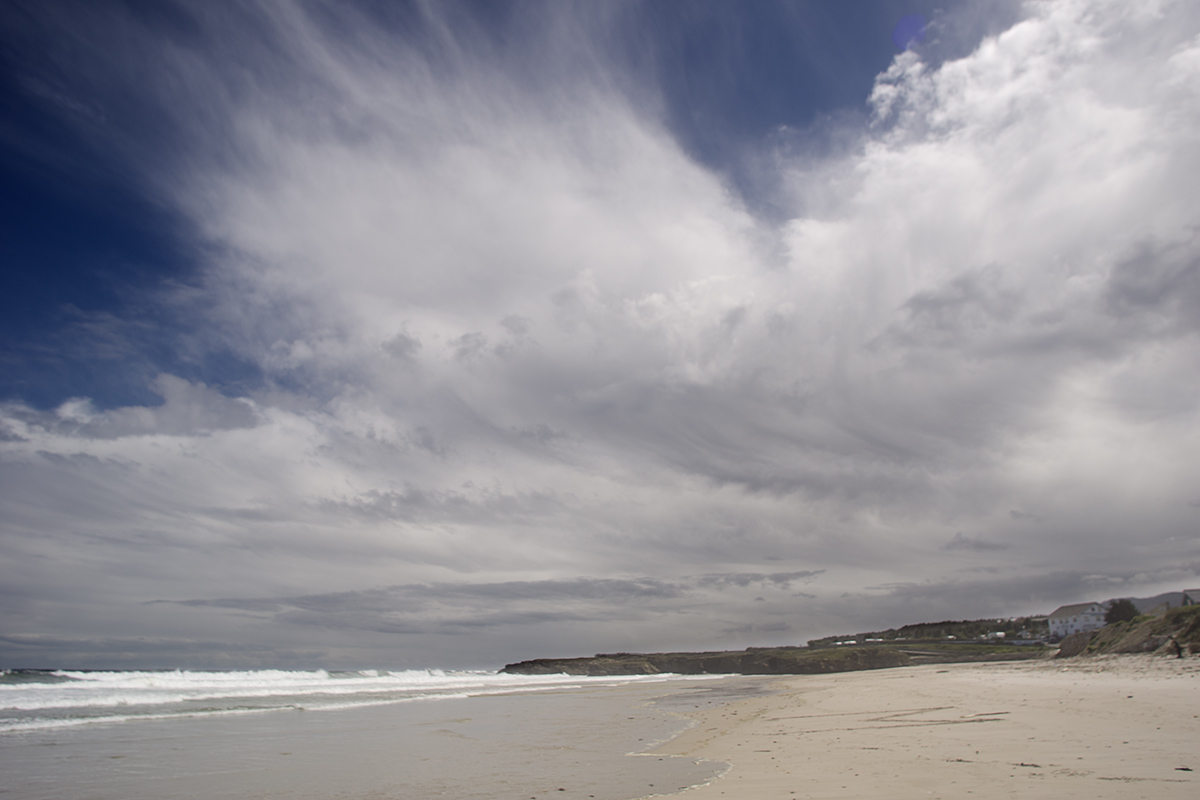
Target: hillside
{"x": 1142, "y": 634}
{"x": 923, "y": 643}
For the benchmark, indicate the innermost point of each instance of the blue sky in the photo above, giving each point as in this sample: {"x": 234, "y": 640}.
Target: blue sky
{"x": 369, "y": 334}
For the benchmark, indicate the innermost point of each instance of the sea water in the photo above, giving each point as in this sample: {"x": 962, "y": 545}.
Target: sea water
{"x": 319, "y": 734}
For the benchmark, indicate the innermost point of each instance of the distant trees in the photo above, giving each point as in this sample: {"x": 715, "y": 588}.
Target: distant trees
{"x": 1120, "y": 611}
{"x": 962, "y": 629}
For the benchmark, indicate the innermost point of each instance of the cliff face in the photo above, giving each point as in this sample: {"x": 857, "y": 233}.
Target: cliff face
{"x": 759, "y": 661}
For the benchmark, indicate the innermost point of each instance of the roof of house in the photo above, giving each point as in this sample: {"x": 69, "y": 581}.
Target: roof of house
{"x": 1072, "y": 610}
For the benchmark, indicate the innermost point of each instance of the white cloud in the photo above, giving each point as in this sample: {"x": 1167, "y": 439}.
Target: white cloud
{"x": 515, "y": 334}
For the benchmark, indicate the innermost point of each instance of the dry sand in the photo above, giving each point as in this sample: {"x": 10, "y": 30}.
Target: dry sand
{"x": 1110, "y": 727}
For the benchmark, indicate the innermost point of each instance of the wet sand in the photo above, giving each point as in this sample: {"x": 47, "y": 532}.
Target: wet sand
{"x": 1111, "y": 727}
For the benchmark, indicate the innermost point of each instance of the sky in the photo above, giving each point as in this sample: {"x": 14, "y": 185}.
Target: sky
{"x": 449, "y": 334}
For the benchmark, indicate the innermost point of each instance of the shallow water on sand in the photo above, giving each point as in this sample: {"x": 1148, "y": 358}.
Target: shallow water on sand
{"x": 564, "y": 743}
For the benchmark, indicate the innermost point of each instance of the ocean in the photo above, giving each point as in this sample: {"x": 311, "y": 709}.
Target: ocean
{"x": 410, "y": 734}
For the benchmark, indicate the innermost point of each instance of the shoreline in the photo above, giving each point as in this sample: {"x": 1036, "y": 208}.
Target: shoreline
{"x": 1097, "y": 727}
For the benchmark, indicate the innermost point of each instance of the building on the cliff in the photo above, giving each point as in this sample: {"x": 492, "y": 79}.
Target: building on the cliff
{"x": 1076, "y": 618}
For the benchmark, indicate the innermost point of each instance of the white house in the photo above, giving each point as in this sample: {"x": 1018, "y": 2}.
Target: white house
{"x": 1075, "y": 618}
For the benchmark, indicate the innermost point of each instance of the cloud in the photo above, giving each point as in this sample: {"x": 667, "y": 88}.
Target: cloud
{"x": 462, "y": 607}
{"x": 514, "y": 344}
{"x": 961, "y": 542}
{"x": 138, "y": 653}
{"x": 782, "y": 580}
{"x": 188, "y": 409}
{"x": 779, "y": 627}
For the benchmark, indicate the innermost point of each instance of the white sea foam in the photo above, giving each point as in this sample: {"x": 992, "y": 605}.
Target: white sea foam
{"x": 64, "y": 698}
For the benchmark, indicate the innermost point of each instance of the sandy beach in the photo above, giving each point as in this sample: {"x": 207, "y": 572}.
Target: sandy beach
{"x": 1111, "y": 727}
